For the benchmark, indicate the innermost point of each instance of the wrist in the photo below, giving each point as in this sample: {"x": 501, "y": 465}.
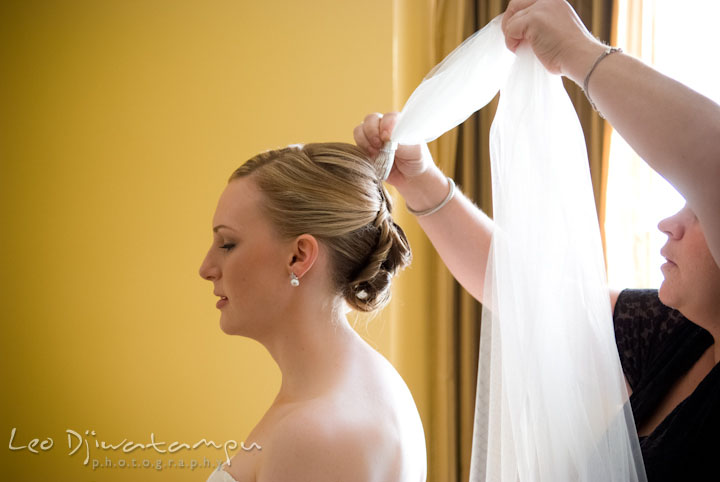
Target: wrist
{"x": 425, "y": 190}
{"x": 433, "y": 210}
{"x": 581, "y": 61}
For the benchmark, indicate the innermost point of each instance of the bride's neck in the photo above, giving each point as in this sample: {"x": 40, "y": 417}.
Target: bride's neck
{"x": 313, "y": 350}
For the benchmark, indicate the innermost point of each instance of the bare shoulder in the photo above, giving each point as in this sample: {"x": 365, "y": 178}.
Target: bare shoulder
{"x": 314, "y": 443}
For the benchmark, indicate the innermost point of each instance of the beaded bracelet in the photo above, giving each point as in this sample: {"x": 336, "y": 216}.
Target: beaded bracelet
{"x": 608, "y": 51}
{"x": 437, "y": 208}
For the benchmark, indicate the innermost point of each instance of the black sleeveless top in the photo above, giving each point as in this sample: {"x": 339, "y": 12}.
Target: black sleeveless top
{"x": 657, "y": 345}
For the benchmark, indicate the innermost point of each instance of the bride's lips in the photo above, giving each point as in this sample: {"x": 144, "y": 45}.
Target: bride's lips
{"x": 221, "y": 302}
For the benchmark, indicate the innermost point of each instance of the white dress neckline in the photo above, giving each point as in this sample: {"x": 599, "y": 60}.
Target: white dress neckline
{"x": 221, "y": 475}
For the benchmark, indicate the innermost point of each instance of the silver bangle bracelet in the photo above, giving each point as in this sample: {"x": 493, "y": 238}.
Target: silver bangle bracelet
{"x": 608, "y": 51}
{"x": 437, "y": 208}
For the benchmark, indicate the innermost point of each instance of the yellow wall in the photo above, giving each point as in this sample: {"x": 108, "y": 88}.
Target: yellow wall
{"x": 120, "y": 123}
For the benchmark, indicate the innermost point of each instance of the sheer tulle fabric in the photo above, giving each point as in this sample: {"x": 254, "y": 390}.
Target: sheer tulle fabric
{"x": 466, "y": 80}
{"x": 551, "y": 402}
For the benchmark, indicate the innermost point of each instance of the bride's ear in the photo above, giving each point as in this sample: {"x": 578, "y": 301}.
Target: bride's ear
{"x": 305, "y": 250}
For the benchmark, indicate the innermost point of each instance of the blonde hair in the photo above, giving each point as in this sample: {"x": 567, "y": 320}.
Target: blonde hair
{"x": 332, "y": 191}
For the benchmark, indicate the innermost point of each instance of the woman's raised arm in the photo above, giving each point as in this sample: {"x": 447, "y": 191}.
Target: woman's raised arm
{"x": 460, "y": 231}
{"x": 673, "y": 128}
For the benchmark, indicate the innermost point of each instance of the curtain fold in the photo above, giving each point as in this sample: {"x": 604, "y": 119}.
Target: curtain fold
{"x": 463, "y": 153}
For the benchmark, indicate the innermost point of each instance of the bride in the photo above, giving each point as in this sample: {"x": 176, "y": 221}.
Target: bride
{"x": 300, "y": 233}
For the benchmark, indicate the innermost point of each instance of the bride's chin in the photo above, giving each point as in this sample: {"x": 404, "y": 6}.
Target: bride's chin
{"x": 229, "y": 326}
{"x": 235, "y": 327}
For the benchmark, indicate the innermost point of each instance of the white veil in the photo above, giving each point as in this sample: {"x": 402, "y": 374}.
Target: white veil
{"x": 551, "y": 402}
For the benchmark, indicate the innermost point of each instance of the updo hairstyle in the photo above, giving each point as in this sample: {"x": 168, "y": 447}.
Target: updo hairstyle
{"x": 332, "y": 191}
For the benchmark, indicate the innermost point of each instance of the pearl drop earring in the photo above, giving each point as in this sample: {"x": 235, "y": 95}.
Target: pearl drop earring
{"x": 294, "y": 281}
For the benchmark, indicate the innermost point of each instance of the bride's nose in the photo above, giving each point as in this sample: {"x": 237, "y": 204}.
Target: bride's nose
{"x": 209, "y": 270}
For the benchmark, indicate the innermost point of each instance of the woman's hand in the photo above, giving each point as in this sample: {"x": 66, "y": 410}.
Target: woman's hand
{"x": 410, "y": 161}
{"x": 556, "y": 34}
{"x": 414, "y": 174}
{"x": 459, "y": 231}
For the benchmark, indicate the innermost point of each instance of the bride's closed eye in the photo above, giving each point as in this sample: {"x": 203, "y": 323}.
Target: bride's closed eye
{"x": 227, "y": 247}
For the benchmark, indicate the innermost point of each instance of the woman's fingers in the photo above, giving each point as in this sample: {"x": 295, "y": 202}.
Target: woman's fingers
{"x": 551, "y": 27}
{"x": 387, "y": 124}
{"x": 515, "y": 30}
{"x": 374, "y": 131}
{"x": 362, "y": 141}
{"x": 513, "y": 8}
{"x": 371, "y": 129}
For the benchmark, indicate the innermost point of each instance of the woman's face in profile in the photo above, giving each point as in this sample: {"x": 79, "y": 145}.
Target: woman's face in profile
{"x": 247, "y": 262}
{"x": 692, "y": 278}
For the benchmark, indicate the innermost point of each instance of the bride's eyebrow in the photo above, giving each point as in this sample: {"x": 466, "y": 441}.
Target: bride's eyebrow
{"x": 220, "y": 226}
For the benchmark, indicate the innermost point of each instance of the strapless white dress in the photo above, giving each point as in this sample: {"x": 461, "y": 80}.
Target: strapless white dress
{"x": 221, "y": 475}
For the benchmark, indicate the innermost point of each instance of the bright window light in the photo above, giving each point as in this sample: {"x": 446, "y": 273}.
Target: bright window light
{"x": 680, "y": 40}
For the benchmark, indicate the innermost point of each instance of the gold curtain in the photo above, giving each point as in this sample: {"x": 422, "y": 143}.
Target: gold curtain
{"x": 463, "y": 153}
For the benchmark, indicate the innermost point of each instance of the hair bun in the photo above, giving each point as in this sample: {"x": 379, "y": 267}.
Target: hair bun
{"x": 370, "y": 289}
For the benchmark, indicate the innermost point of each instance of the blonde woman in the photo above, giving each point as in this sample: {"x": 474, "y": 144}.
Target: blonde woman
{"x": 299, "y": 234}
